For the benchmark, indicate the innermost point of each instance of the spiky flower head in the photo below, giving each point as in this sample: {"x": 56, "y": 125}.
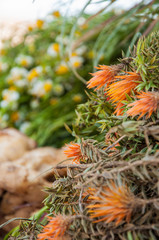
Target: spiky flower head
{"x": 119, "y": 109}
{"x": 113, "y": 203}
{"x": 118, "y": 90}
{"x": 73, "y": 150}
{"x": 104, "y": 76}
{"x": 147, "y": 104}
{"x": 55, "y": 229}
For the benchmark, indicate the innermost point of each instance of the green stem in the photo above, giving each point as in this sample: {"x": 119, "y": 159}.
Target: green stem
{"x": 15, "y": 230}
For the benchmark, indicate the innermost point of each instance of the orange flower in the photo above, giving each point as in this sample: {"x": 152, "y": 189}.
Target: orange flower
{"x": 148, "y": 103}
{"x": 114, "y": 203}
{"x": 73, "y": 150}
{"x": 119, "y": 109}
{"x": 110, "y": 140}
{"x": 55, "y": 229}
{"x": 104, "y": 76}
{"x": 118, "y": 90}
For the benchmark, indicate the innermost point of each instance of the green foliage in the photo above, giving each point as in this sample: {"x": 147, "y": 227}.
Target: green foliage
{"x": 146, "y": 61}
{"x": 32, "y": 102}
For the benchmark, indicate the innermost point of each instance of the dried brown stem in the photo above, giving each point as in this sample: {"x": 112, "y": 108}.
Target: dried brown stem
{"x": 81, "y": 166}
{"x": 84, "y": 166}
{"x": 124, "y": 167}
{"x": 132, "y": 228}
{"x": 136, "y": 164}
{"x": 151, "y": 26}
{"x": 114, "y": 143}
{"x": 147, "y": 201}
{"x": 96, "y": 14}
{"x": 92, "y": 32}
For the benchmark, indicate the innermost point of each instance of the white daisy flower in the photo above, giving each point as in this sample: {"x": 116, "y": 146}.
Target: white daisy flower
{"x": 10, "y": 95}
{"x": 34, "y": 73}
{"x": 53, "y": 49}
{"x": 17, "y": 76}
{"x": 76, "y": 61}
{"x": 38, "y": 89}
{"x": 58, "y": 89}
{"x": 24, "y": 60}
{"x": 17, "y": 72}
{"x": 47, "y": 85}
{"x": 62, "y": 68}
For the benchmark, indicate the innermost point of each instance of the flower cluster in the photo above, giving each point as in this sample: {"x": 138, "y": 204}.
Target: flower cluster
{"x": 38, "y": 78}
{"x": 119, "y": 89}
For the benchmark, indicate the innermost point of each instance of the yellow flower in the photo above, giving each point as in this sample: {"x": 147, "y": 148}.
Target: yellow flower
{"x": 84, "y": 26}
{"x": 32, "y": 74}
{"x": 56, "y": 14}
{"x": 10, "y": 81}
{"x": 47, "y": 86}
{"x": 13, "y": 88}
{"x": 24, "y": 60}
{"x": 56, "y": 47}
{"x": 58, "y": 89}
{"x": 76, "y": 64}
{"x": 73, "y": 54}
{"x": 15, "y": 116}
{"x": 30, "y": 28}
{"x": 78, "y": 33}
{"x": 76, "y": 61}
{"x": 2, "y": 51}
{"x": 53, "y": 101}
{"x": 39, "y": 23}
{"x": 53, "y": 49}
{"x": 6, "y": 97}
{"x": 61, "y": 69}
{"x": 77, "y": 98}
{"x": 24, "y": 63}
